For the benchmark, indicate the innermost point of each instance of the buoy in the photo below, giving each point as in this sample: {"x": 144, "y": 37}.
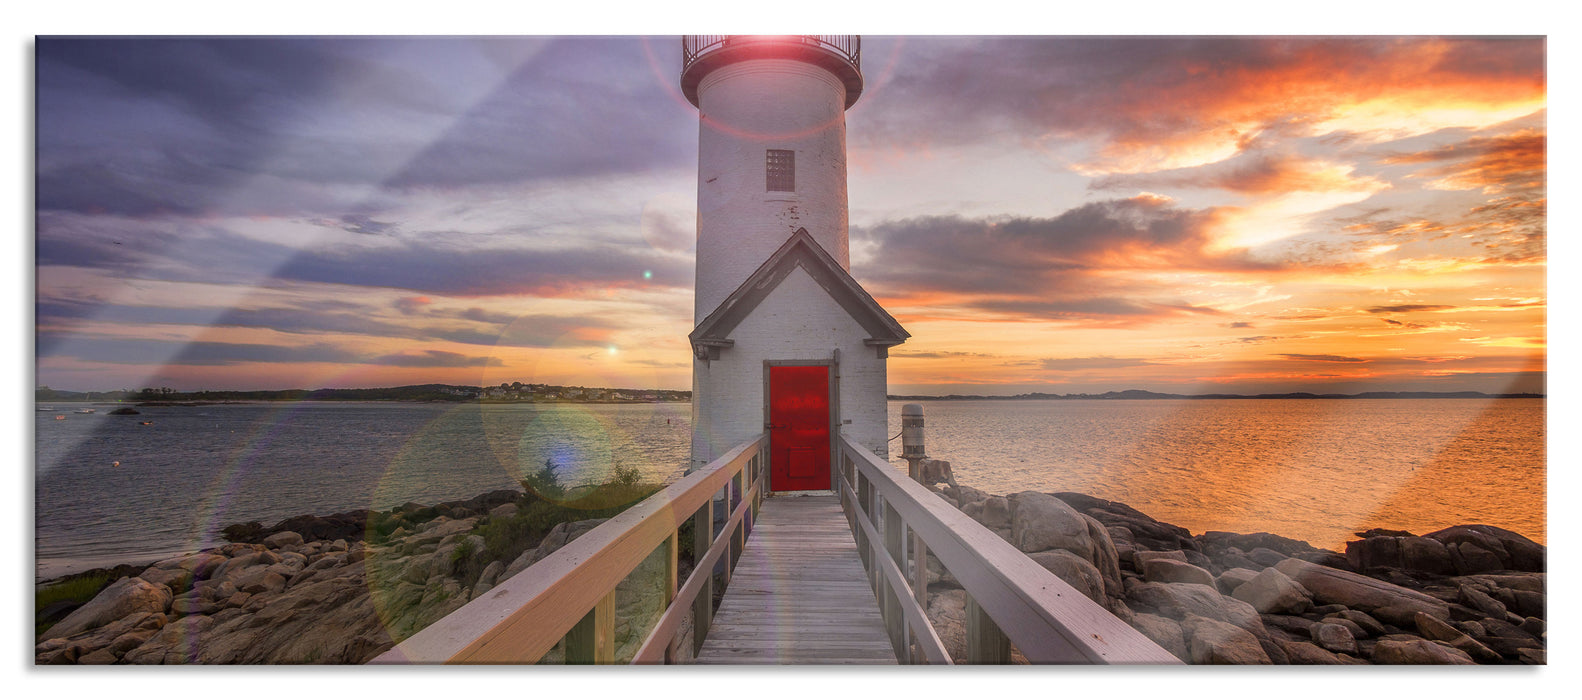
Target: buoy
{"x": 116, "y": 463}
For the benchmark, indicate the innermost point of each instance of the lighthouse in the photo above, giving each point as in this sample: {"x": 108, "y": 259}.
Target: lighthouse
{"x": 784, "y": 339}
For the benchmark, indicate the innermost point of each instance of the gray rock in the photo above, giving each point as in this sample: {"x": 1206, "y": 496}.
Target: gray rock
{"x": 1534, "y": 582}
{"x": 1074, "y": 570}
{"x": 503, "y": 511}
{"x": 1369, "y": 626}
{"x": 116, "y": 638}
{"x": 996, "y": 512}
{"x": 1529, "y": 604}
{"x": 1480, "y": 601}
{"x": 284, "y": 538}
{"x": 1356, "y": 630}
{"x": 1534, "y": 627}
{"x": 418, "y": 568}
{"x": 1308, "y": 654}
{"x": 1271, "y": 591}
{"x": 1266, "y": 556}
{"x": 1040, "y": 522}
{"x": 1167, "y": 571}
{"x": 1334, "y": 638}
{"x": 491, "y": 572}
{"x": 557, "y": 538}
{"x": 947, "y": 613}
{"x": 1231, "y": 578}
{"x": 1290, "y": 623}
{"x": 1512, "y": 550}
{"x": 125, "y": 597}
{"x": 1418, "y": 651}
{"x": 1469, "y": 558}
{"x": 1434, "y": 629}
{"x": 1163, "y": 631}
{"x": 1426, "y": 554}
{"x": 201, "y": 564}
{"x": 1211, "y": 641}
{"x": 1142, "y": 557}
{"x": 1177, "y": 600}
{"x": 1330, "y": 585}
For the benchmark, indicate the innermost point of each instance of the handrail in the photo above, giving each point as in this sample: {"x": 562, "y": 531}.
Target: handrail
{"x": 848, "y": 46}
{"x": 1049, "y": 621}
{"x": 571, "y": 592}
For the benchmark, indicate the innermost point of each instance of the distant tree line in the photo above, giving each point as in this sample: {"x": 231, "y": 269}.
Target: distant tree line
{"x": 516, "y": 392}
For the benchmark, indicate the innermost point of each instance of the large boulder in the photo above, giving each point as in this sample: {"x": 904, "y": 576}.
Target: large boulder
{"x": 1146, "y": 533}
{"x": 1411, "y": 553}
{"x": 1334, "y": 637}
{"x": 288, "y": 538}
{"x": 1230, "y": 579}
{"x": 1330, "y": 585}
{"x": 558, "y": 536}
{"x": 1163, "y": 631}
{"x": 124, "y": 597}
{"x": 1309, "y": 654}
{"x": 1075, "y": 570}
{"x": 1491, "y": 549}
{"x": 1168, "y": 571}
{"x": 1214, "y": 642}
{"x": 1177, "y": 600}
{"x": 1434, "y": 629}
{"x": 1418, "y": 651}
{"x": 1041, "y": 522}
{"x": 1271, "y": 591}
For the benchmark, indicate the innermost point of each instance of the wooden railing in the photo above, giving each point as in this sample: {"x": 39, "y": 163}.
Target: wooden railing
{"x": 570, "y": 594}
{"x": 846, "y": 45}
{"x": 1010, "y": 598}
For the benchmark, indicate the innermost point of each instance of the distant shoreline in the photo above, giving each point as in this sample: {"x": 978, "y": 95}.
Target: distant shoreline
{"x": 1138, "y": 395}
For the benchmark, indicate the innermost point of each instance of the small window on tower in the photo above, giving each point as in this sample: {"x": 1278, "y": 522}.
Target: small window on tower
{"x": 780, "y": 171}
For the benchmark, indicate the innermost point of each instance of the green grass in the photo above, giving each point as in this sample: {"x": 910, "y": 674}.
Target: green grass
{"x": 80, "y": 589}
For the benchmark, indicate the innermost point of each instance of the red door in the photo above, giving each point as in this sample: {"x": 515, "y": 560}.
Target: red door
{"x": 799, "y": 428}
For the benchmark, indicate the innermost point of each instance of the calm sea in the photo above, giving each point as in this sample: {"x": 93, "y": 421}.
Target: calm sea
{"x": 1313, "y": 470}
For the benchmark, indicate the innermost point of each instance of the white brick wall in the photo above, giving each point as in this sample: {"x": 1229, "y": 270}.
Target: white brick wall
{"x": 746, "y": 109}
{"x": 797, "y": 321}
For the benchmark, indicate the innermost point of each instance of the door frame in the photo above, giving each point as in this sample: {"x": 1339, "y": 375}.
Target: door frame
{"x": 834, "y": 410}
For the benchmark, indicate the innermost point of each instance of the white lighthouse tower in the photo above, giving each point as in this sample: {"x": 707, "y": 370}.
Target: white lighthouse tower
{"x": 785, "y": 339}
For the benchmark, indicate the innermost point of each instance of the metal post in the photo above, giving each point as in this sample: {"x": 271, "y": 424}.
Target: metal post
{"x": 912, "y": 440}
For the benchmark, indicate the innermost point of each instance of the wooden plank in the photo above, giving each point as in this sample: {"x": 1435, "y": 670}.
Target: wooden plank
{"x": 798, "y": 594}
{"x": 592, "y": 640}
{"x": 986, "y": 644}
{"x": 703, "y": 601}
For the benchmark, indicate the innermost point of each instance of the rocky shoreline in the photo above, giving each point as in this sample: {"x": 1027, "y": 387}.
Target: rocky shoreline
{"x": 1469, "y": 594}
{"x": 342, "y": 589}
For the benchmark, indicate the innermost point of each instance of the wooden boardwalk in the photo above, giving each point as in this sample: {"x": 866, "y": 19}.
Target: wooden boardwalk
{"x": 799, "y": 594}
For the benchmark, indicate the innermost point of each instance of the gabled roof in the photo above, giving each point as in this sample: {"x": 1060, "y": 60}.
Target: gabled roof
{"x": 800, "y": 250}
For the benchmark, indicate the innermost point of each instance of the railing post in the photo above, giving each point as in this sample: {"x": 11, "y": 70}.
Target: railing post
{"x": 671, "y": 584}
{"x": 986, "y": 644}
{"x": 703, "y": 605}
{"x": 592, "y": 640}
{"x": 893, "y": 528}
{"x": 913, "y": 451}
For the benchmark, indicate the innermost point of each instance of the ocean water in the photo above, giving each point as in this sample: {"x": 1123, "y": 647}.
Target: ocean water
{"x": 1313, "y": 470}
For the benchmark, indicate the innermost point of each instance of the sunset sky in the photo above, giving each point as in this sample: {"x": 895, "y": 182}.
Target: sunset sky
{"x": 1054, "y": 214}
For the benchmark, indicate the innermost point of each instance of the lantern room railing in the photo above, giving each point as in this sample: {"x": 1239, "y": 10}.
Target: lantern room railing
{"x": 847, "y": 46}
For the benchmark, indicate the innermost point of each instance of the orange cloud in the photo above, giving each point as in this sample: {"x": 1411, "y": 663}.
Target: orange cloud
{"x": 1514, "y": 162}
